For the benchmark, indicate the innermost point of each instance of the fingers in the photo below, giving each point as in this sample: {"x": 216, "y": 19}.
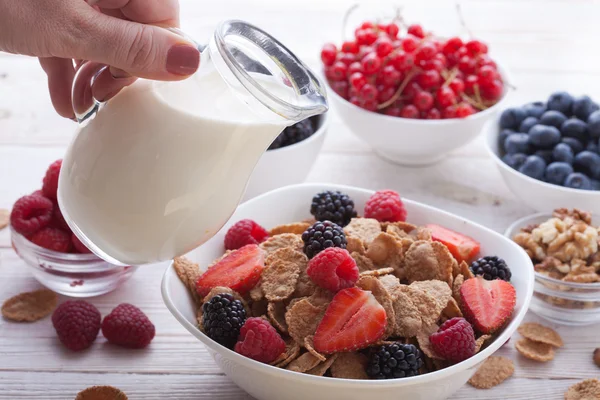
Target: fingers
{"x": 158, "y": 12}
{"x": 60, "y": 73}
{"x": 106, "y": 85}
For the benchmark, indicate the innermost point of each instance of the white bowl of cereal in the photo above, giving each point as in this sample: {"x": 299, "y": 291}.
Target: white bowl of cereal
{"x": 564, "y": 248}
{"x": 339, "y": 376}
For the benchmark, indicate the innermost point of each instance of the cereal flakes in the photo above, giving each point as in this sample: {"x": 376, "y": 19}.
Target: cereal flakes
{"x": 458, "y": 281}
{"x": 355, "y": 245}
{"x": 492, "y": 372}
{"x": 407, "y": 314}
{"x": 540, "y": 333}
{"x": 427, "y": 260}
{"x": 480, "y": 342}
{"x": 365, "y": 229}
{"x": 596, "y": 357}
{"x": 320, "y": 369}
{"x": 276, "y": 313}
{"x": 303, "y": 318}
{"x": 385, "y": 251}
{"x": 349, "y": 366}
{"x": 390, "y": 283}
{"x": 284, "y": 240}
{"x": 588, "y": 389}
{"x": 30, "y": 306}
{"x": 297, "y": 228}
{"x": 188, "y": 272}
{"x": 310, "y": 346}
{"x": 452, "y": 310}
{"x": 363, "y": 262}
{"x": 536, "y": 351}
{"x": 4, "y": 218}
{"x": 465, "y": 271}
{"x": 292, "y": 351}
{"x": 378, "y": 272}
{"x": 429, "y": 308}
{"x": 424, "y": 343}
{"x": 278, "y": 280}
{"x": 303, "y": 363}
{"x": 101, "y": 393}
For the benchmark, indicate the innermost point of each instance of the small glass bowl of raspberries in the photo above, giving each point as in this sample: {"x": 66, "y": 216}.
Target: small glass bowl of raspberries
{"x": 290, "y": 157}
{"x": 402, "y": 88}
{"x": 58, "y": 260}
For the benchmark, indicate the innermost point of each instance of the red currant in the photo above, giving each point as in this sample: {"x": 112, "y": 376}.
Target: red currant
{"x": 434, "y": 113}
{"x": 449, "y": 112}
{"x": 466, "y": 64}
{"x": 356, "y": 66}
{"x": 361, "y": 37}
{"x": 452, "y": 45}
{"x": 366, "y": 25}
{"x": 457, "y": 85}
{"x": 370, "y": 36}
{"x": 492, "y": 90}
{"x": 368, "y": 92}
{"x": 487, "y": 73}
{"x": 364, "y": 50}
{"x": 356, "y": 101}
{"x": 358, "y": 80}
{"x": 425, "y": 52}
{"x": 410, "y": 43}
{"x": 464, "y": 110}
{"x": 416, "y": 30}
{"x": 470, "y": 83}
{"x": 350, "y": 47}
{"x": 347, "y": 58}
{"x": 383, "y": 47}
{"x": 340, "y": 88}
{"x": 445, "y": 97}
{"x": 411, "y": 90}
{"x": 328, "y": 53}
{"x": 462, "y": 52}
{"x": 434, "y": 64}
{"x": 371, "y": 64}
{"x": 476, "y": 47}
{"x": 429, "y": 79}
{"x": 409, "y": 111}
{"x": 338, "y": 71}
{"x": 386, "y": 93}
{"x": 392, "y": 30}
{"x": 423, "y": 100}
{"x": 390, "y": 76}
{"x": 370, "y": 105}
{"x": 393, "y": 111}
{"x": 402, "y": 60}
{"x": 485, "y": 59}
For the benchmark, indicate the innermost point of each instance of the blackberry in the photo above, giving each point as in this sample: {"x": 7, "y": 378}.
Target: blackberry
{"x": 491, "y": 268}
{"x": 395, "y": 360}
{"x": 331, "y": 206}
{"x": 294, "y": 134}
{"x": 321, "y": 235}
{"x": 223, "y": 317}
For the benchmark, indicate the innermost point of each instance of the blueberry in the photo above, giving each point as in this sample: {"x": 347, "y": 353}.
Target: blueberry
{"x": 504, "y": 133}
{"x": 593, "y": 147}
{"x": 535, "y": 109}
{"x": 573, "y": 143}
{"x": 557, "y": 172}
{"x": 527, "y": 124}
{"x": 534, "y": 167}
{"x": 517, "y": 143}
{"x": 574, "y": 128}
{"x": 553, "y": 118}
{"x": 545, "y": 137}
{"x": 577, "y": 180}
{"x": 563, "y": 152}
{"x": 514, "y": 160}
{"x": 588, "y": 163}
{"x": 511, "y": 118}
{"x": 583, "y": 106}
{"x": 595, "y": 184}
{"x": 593, "y": 124}
{"x": 545, "y": 154}
{"x": 560, "y": 101}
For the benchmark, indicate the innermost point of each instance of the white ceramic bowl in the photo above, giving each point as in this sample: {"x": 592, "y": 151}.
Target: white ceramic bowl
{"x": 414, "y": 141}
{"x": 264, "y": 382}
{"x": 565, "y": 303}
{"x": 287, "y": 165}
{"x": 540, "y": 196}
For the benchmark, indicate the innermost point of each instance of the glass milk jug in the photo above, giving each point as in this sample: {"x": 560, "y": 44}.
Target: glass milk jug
{"x": 158, "y": 169}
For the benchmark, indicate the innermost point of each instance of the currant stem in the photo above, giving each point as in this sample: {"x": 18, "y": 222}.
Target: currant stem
{"x": 461, "y": 19}
{"x": 346, "y": 18}
{"x": 398, "y": 93}
{"x": 473, "y": 102}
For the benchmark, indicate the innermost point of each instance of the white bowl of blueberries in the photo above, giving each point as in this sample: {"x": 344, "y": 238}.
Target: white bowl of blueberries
{"x": 548, "y": 152}
{"x": 290, "y": 157}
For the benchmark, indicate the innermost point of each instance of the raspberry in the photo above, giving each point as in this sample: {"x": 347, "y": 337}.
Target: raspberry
{"x": 222, "y": 319}
{"x": 79, "y": 247}
{"x": 50, "y": 182}
{"x": 244, "y": 232}
{"x": 128, "y": 326}
{"x": 30, "y": 214}
{"x": 52, "y": 239}
{"x": 38, "y": 193}
{"x": 77, "y": 324}
{"x": 259, "y": 341}
{"x": 385, "y": 206}
{"x": 455, "y": 340}
{"x": 58, "y": 221}
{"x": 333, "y": 269}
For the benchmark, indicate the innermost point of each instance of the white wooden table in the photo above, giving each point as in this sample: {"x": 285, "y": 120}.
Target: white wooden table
{"x": 547, "y": 45}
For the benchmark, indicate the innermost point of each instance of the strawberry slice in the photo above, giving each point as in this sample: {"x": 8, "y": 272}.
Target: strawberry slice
{"x": 353, "y": 320}
{"x": 487, "y": 304}
{"x": 240, "y": 271}
{"x": 462, "y": 247}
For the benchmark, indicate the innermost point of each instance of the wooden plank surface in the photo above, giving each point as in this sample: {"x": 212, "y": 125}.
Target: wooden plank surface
{"x": 546, "y": 45}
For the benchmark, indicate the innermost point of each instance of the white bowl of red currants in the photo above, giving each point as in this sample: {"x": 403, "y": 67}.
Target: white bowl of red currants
{"x": 412, "y": 96}
{"x": 548, "y": 152}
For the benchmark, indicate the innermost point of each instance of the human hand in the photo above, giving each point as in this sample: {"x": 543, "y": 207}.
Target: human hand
{"x": 123, "y": 34}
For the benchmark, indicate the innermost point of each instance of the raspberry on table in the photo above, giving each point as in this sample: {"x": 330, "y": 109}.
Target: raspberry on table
{"x": 77, "y": 324}
{"x": 79, "y": 247}
{"x": 385, "y": 206}
{"x": 52, "y": 239}
{"x": 222, "y": 318}
{"x": 396, "y": 360}
{"x": 333, "y": 206}
{"x": 333, "y": 269}
{"x": 455, "y": 340}
{"x": 128, "y": 326}
{"x": 259, "y": 341}
{"x": 50, "y": 182}
{"x": 491, "y": 267}
{"x": 30, "y": 214}
{"x": 244, "y": 232}
{"x": 322, "y": 235}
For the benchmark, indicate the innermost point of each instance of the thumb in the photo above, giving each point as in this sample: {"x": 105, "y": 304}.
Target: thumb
{"x": 145, "y": 51}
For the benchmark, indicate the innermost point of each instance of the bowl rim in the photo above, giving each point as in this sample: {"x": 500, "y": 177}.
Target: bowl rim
{"x": 433, "y": 122}
{"x": 512, "y": 229}
{"x": 491, "y": 131}
{"x": 432, "y": 376}
{"x": 324, "y": 124}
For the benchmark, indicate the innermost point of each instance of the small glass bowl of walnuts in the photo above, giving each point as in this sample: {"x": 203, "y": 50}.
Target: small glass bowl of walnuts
{"x": 565, "y": 252}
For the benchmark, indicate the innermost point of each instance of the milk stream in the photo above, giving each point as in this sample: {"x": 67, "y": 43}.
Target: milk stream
{"x": 161, "y": 168}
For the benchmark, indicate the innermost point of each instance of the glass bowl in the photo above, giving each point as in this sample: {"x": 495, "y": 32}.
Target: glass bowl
{"x": 565, "y": 303}
{"x": 75, "y": 275}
